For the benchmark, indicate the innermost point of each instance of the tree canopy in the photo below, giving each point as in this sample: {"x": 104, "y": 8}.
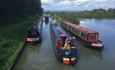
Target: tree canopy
{"x": 15, "y": 9}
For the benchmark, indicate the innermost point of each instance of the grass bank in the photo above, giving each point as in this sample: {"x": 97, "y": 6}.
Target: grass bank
{"x": 12, "y": 38}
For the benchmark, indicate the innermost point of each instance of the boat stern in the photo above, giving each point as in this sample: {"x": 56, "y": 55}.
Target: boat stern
{"x": 33, "y": 40}
{"x": 97, "y": 45}
{"x": 69, "y": 60}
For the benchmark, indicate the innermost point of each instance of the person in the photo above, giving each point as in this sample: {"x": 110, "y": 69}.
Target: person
{"x": 67, "y": 46}
{"x": 69, "y": 41}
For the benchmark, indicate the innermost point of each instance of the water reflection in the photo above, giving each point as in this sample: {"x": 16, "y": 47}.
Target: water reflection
{"x": 33, "y": 48}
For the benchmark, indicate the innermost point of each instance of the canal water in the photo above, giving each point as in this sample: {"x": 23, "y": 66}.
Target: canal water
{"x": 42, "y": 57}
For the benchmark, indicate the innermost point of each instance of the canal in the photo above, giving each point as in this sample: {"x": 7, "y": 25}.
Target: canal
{"x": 42, "y": 57}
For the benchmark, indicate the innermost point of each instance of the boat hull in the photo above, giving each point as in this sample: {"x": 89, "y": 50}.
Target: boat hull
{"x": 59, "y": 52}
{"x": 86, "y": 43}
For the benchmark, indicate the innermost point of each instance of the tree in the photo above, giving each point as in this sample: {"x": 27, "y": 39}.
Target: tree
{"x": 18, "y": 9}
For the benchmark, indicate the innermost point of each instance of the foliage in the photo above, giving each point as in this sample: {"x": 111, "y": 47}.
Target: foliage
{"x": 11, "y": 39}
{"x": 13, "y": 35}
{"x": 97, "y": 13}
{"x": 65, "y": 16}
{"x": 15, "y": 10}
{"x": 7, "y": 49}
{"x": 73, "y": 16}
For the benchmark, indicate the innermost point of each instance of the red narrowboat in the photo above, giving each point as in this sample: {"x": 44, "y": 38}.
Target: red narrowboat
{"x": 34, "y": 34}
{"x": 58, "y": 39}
{"x": 90, "y": 37}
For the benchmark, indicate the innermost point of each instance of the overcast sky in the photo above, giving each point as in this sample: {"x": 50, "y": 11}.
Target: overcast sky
{"x": 76, "y": 5}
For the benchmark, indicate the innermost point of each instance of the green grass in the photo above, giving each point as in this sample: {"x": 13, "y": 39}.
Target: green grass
{"x": 12, "y": 38}
{"x": 16, "y": 31}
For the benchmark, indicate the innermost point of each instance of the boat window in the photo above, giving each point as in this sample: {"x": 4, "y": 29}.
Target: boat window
{"x": 79, "y": 33}
{"x": 71, "y": 28}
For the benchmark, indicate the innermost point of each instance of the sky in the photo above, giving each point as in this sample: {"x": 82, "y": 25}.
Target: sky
{"x": 76, "y": 5}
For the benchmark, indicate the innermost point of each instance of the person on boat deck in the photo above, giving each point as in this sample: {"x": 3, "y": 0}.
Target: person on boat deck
{"x": 67, "y": 45}
{"x": 69, "y": 41}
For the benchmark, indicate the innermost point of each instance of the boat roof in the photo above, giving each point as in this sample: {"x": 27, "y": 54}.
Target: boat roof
{"x": 57, "y": 30}
{"x": 82, "y": 29}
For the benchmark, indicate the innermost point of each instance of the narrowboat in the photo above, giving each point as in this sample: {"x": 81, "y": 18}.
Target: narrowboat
{"x": 59, "y": 40}
{"x": 46, "y": 19}
{"x": 34, "y": 36}
{"x": 89, "y": 37}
